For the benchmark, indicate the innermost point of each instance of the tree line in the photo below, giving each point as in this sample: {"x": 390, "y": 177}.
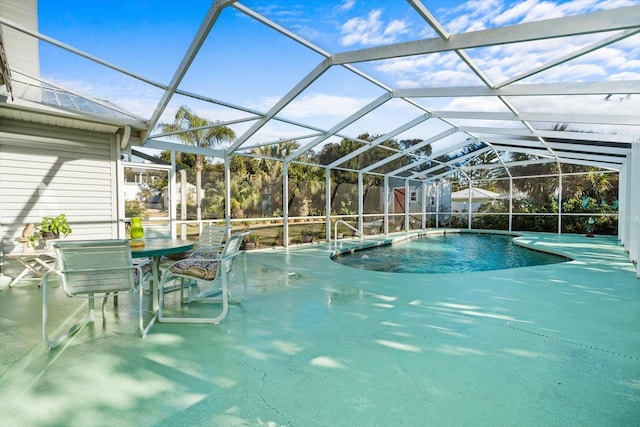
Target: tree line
{"x": 256, "y": 178}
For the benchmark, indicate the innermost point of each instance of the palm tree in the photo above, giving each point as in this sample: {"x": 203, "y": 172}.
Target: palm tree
{"x": 305, "y": 182}
{"x": 206, "y": 136}
{"x": 244, "y": 196}
{"x": 268, "y": 169}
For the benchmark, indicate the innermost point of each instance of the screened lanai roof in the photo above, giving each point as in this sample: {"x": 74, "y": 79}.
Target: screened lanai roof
{"x": 556, "y": 80}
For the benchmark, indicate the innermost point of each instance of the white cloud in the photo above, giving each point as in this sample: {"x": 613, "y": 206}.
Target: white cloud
{"x": 472, "y": 15}
{"x": 530, "y": 10}
{"x": 475, "y": 103}
{"x": 318, "y": 104}
{"x": 625, "y": 76}
{"x": 409, "y": 64}
{"x": 347, "y": 5}
{"x": 438, "y": 69}
{"x": 633, "y": 64}
{"x": 480, "y": 14}
{"x": 371, "y": 30}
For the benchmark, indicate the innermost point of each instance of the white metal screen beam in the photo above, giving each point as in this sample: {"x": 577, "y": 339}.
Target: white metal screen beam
{"x": 450, "y": 163}
{"x": 75, "y": 51}
{"x": 604, "y": 21}
{"x": 566, "y": 58}
{"x": 211, "y": 126}
{"x": 603, "y": 164}
{"x": 282, "y": 103}
{"x": 344, "y": 123}
{"x": 562, "y": 146}
{"x": 409, "y": 150}
{"x": 591, "y": 158}
{"x": 269, "y": 23}
{"x": 538, "y": 89}
{"x": 212, "y": 16}
{"x": 507, "y": 164}
{"x": 604, "y": 119}
{"x": 578, "y": 136}
{"x": 380, "y": 140}
{"x": 183, "y": 148}
{"x": 432, "y": 157}
{"x": 563, "y": 156}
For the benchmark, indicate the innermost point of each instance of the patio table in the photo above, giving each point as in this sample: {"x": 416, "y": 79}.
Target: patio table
{"x": 156, "y": 249}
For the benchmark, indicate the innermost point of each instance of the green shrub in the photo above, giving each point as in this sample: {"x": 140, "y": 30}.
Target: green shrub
{"x": 134, "y": 208}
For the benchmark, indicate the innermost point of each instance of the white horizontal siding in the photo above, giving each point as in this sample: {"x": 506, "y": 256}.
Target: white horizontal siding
{"x": 46, "y": 170}
{"x": 22, "y": 50}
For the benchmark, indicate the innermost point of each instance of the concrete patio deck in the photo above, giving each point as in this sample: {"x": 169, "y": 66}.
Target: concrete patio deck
{"x": 316, "y": 343}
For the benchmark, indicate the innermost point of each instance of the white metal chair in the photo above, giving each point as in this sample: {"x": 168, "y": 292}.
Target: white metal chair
{"x": 89, "y": 269}
{"x": 212, "y": 237}
{"x": 208, "y": 272}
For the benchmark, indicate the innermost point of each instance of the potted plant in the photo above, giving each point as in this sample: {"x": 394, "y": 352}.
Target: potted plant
{"x": 251, "y": 241}
{"x": 307, "y": 236}
{"x": 54, "y": 227}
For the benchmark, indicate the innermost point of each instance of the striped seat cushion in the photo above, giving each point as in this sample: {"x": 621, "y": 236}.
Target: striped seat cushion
{"x": 197, "y": 266}
{"x": 146, "y": 268}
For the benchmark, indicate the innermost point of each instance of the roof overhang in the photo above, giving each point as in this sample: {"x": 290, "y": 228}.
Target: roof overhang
{"x": 42, "y": 114}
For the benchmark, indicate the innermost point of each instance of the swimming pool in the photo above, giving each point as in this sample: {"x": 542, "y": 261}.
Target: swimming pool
{"x": 448, "y": 253}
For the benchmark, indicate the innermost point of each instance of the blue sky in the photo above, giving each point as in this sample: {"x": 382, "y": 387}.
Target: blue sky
{"x": 246, "y": 63}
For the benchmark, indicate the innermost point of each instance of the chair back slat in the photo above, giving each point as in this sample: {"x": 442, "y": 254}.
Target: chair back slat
{"x": 232, "y": 247}
{"x": 212, "y": 236}
{"x": 96, "y": 266}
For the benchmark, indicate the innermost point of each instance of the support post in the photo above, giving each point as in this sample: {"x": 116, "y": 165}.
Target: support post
{"x": 423, "y": 197}
{"x": 285, "y": 204}
{"x": 173, "y": 208}
{"x": 510, "y": 202}
{"x": 385, "y": 204}
{"x": 438, "y": 190}
{"x": 360, "y": 203}
{"x": 469, "y": 206}
{"x": 327, "y": 206}
{"x": 227, "y": 190}
{"x": 560, "y": 202}
{"x": 407, "y": 206}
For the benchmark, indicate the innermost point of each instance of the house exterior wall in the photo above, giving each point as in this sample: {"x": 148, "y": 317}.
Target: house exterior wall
{"x": 22, "y": 50}
{"x": 48, "y": 170}
{"x": 458, "y": 206}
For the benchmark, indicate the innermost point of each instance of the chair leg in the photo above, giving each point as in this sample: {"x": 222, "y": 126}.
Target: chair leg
{"x": 104, "y": 304}
{"x": 91, "y": 303}
{"x": 238, "y": 299}
{"x": 215, "y": 320}
{"x": 52, "y": 343}
{"x": 144, "y": 330}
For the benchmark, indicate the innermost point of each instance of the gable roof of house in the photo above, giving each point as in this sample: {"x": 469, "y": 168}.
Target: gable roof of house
{"x": 476, "y": 194}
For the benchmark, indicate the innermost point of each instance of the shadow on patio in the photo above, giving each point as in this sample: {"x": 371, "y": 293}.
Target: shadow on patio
{"x": 318, "y": 343}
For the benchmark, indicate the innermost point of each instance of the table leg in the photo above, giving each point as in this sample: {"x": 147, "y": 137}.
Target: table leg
{"x": 19, "y": 277}
{"x": 36, "y": 266}
{"x": 155, "y": 283}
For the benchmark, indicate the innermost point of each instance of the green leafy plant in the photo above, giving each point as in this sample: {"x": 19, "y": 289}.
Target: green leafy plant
{"x": 58, "y": 226}
{"x": 133, "y": 208}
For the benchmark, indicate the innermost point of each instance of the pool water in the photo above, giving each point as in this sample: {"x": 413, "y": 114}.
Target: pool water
{"x": 448, "y": 253}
